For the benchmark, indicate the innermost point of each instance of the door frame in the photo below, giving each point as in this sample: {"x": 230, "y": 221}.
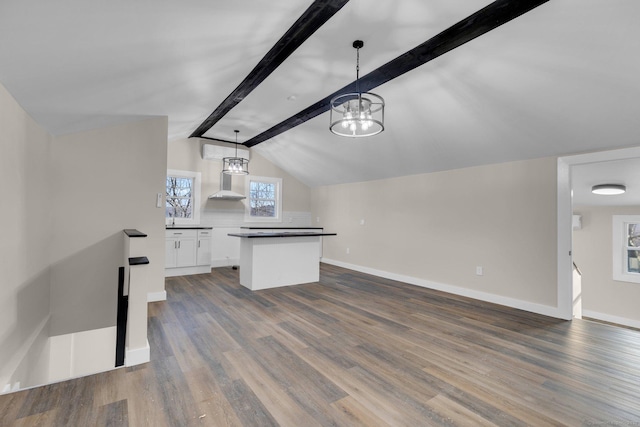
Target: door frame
{"x": 565, "y": 214}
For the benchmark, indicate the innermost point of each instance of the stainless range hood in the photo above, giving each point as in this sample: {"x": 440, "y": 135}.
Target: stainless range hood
{"x": 225, "y": 192}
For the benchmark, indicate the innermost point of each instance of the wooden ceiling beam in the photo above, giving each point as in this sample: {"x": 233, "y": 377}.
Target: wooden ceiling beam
{"x": 313, "y": 18}
{"x": 481, "y": 22}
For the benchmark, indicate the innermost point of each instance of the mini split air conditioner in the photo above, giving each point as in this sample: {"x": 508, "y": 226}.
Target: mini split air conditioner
{"x": 218, "y": 152}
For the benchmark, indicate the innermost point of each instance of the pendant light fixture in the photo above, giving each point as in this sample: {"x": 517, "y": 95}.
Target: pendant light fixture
{"x": 235, "y": 165}
{"x": 357, "y": 114}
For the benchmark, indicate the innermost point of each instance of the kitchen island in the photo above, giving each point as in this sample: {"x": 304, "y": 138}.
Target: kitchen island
{"x": 279, "y": 258}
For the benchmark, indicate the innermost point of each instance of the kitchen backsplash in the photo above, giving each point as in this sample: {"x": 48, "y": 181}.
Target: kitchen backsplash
{"x": 225, "y": 218}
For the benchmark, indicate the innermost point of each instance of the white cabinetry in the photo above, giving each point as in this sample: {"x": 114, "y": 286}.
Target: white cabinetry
{"x": 180, "y": 248}
{"x": 187, "y": 251}
{"x": 204, "y": 248}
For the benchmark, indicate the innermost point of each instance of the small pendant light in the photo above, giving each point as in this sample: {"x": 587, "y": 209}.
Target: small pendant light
{"x": 235, "y": 165}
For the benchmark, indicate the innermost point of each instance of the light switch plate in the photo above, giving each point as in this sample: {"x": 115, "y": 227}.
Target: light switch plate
{"x": 159, "y": 200}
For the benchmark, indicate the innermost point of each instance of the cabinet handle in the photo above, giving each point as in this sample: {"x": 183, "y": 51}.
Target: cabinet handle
{"x": 179, "y": 242}
{"x": 175, "y": 234}
{"x": 199, "y": 243}
{"x": 175, "y": 245}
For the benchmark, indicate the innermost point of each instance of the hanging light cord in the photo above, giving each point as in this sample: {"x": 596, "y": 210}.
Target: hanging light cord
{"x": 236, "y": 131}
{"x": 358, "y": 70}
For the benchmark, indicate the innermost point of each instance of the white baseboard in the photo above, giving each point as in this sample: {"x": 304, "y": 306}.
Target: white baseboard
{"x": 157, "y": 296}
{"x": 611, "y": 318}
{"x": 137, "y": 356}
{"x": 185, "y": 271}
{"x": 545, "y": 310}
{"x": 227, "y": 262}
{"x": 7, "y": 372}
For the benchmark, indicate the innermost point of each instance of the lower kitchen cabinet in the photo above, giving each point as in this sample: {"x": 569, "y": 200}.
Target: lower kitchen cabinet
{"x": 204, "y": 248}
{"x": 187, "y": 251}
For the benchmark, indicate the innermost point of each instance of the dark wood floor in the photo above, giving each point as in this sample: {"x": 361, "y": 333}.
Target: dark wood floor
{"x": 351, "y": 350}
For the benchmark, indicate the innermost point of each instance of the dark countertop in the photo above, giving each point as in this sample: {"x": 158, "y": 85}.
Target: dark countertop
{"x": 283, "y": 234}
{"x": 187, "y": 227}
{"x": 284, "y": 228}
{"x": 132, "y": 232}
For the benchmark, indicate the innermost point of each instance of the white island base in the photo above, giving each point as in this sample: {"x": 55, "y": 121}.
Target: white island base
{"x": 279, "y": 261}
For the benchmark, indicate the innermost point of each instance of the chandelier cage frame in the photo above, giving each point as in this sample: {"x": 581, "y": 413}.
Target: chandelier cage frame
{"x": 235, "y": 165}
{"x": 357, "y": 114}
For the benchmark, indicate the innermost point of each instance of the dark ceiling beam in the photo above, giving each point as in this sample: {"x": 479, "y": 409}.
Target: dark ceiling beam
{"x": 313, "y": 18}
{"x": 495, "y": 14}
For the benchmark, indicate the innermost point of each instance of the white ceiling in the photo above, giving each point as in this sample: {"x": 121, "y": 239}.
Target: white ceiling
{"x": 625, "y": 172}
{"x": 561, "y": 79}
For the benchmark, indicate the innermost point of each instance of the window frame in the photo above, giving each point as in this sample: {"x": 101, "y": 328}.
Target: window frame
{"x": 620, "y": 255}
{"x": 195, "y": 196}
{"x": 278, "y": 199}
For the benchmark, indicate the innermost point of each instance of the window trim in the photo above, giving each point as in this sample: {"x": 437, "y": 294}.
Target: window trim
{"x": 197, "y": 182}
{"x": 620, "y": 229}
{"x": 247, "y": 205}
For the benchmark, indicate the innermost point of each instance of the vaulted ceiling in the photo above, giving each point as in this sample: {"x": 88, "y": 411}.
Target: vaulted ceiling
{"x": 560, "y": 79}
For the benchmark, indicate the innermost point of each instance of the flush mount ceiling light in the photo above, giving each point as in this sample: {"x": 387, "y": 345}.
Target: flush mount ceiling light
{"x": 235, "y": 165}
{"x": 608, "y": 189}
{"x": 357, "y": 114}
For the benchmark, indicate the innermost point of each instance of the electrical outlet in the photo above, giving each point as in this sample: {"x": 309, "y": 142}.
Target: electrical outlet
{"x": 159, "y": 200}
{"x": 348, "y": 251}
{"x": 362, "y": 222}
{"x": 317, "y": 219}
{"x": 479, "y": 271}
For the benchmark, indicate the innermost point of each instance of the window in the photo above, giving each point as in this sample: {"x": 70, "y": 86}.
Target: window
{"x": 264, "y": 202}
{"x": 626, "y": 248}
{"x": 633, "y": 247}
{"x": 182, "y": 204}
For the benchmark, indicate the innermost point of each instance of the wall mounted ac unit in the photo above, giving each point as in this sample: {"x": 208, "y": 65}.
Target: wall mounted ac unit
{"x": 218, "y": 152}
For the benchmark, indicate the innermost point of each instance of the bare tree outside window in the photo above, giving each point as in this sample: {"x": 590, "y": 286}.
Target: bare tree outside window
{"x": 262, "y": 197}
{"x": 179, "y": 197}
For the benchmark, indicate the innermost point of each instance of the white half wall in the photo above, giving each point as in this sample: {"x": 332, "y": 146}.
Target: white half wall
{"x": 106, "y": 180}
{"x": 25, "y": 149}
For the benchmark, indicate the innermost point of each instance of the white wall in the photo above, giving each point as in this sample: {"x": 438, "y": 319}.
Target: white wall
{"x": 603, "y": 297}
{"x": 103, "y": 181}
{"x": 185, "y": 154}
{"x": 25, "y": 244}
{"x": 227, "y": 216}
{"x": 435, "y": 229}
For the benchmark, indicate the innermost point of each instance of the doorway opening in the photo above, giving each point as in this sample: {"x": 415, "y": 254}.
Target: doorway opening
{"x": 569, "y": 284}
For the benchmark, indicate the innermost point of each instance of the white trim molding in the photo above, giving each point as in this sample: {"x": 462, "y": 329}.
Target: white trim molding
{"x": 277, "y": 182}
{"x": 137, "y": 356}
{"x": 611, "y": 318}
{"x": 156, "y": 296}
{"x": 196, "y": 195}
{"x": 544, "y": 310}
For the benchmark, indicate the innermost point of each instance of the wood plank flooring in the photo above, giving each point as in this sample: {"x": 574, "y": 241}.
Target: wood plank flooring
{"x": 351, "y": 350}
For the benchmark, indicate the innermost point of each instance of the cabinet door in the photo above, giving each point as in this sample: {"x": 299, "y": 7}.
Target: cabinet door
{"x": 204, "y": 251}
{"x": 186, "y": 252}
{"x": 170, "y": 253}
